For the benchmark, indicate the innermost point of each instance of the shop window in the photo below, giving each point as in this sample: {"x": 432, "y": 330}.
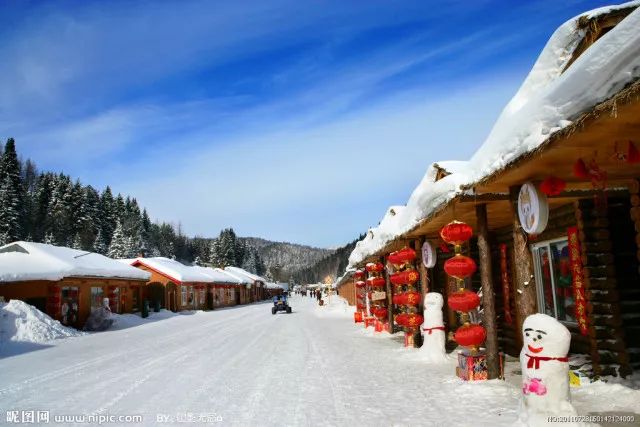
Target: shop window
{"x": 553, "y": 279}
{"x": 96, "y": 297}
{"x": 69, "y": 306}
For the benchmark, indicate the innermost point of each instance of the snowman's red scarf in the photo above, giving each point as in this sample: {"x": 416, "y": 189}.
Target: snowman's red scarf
{"x": 435, "y": 328}
{"x": 534, "y": 361}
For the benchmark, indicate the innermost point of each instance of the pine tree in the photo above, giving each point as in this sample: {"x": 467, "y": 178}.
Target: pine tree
{"x": 49, "y": 239}
{"x": 12, "y": 194}
{"x": 77, "y": 242}
{"x": 119, "y": 247}
{"x": 197, "y": 262}
{"x": 98, "y": 244}
{"x": 214, "y": 254}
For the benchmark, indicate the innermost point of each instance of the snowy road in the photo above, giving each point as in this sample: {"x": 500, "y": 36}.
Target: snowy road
{"x": 312, "y": 367}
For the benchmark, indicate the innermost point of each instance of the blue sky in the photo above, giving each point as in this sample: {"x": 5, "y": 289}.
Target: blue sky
{"x": 290, "y": 120}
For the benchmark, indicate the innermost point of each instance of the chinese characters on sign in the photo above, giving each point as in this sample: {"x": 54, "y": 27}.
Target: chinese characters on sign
{"x": 504, "y": 276}
{"x": 578, "y": 279}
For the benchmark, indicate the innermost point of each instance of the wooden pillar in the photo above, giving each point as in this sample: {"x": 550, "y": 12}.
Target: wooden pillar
{"x": 389, "y": 290}
{"x": 525, "y": 285}
{"x": 417, "y": 246}
{"x": 488, "y": 295}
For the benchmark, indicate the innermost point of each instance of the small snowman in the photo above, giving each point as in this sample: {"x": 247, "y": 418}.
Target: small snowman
{"x": 545, "y": 371}
{"x": 432, "y": 329}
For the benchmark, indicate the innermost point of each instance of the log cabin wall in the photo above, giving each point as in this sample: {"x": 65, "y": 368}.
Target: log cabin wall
{"x": 348, "y": 291}
{"x": 607, "y": 242}
{"x": 509, "y": 340}
{"x": 629, "y": 276}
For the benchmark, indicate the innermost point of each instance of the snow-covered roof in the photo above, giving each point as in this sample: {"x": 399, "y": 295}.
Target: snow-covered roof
{"x": 218, "y": 276}
{"x": 22, "y": 261}
{"x": 550, "y": 98}
{"x": 240, "y": 279}
{"x": 173, "y": 269}
{"x": 241, "y": 272}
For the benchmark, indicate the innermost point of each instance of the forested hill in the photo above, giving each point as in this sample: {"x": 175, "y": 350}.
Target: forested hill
{"x": 288, "y": 256}
{"x": 332, "y": 265}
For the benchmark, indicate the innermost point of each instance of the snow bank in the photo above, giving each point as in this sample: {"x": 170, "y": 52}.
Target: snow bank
{"x": 334, "y": 306}
{"x": 22, "y": 322}
{"x": 128, "y": 320}
{"x": 549, "y": 99}
{"x": 20, "y": 261}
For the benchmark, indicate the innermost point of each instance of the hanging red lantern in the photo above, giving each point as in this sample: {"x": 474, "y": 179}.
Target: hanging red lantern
{"x": 376, "y": 282}
{"x": 402, "y": 256}
{"x": 360, "y": 284}
{"x": 470, "y": 335}
{"x": 411, "y": 298}
{"x": 401, "y": 319}
{"x": 380, "y": 312}
{"x": 361, "y": 306}
{"x": 456, "y": 232}
{"x": 359, "y": 274}
{"x": 407, "y": 277}
{"x": 463, "y": 301}
{"x": 580, "y": 169}
{"x": 414, "y": 320}
{"x": 398, "y": 299}
{"x": 460, "y": 266}
{"x": 552, "y": 186}
{"x": 375, "y": 267}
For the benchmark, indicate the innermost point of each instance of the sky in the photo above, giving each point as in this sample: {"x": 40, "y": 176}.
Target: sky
{"x": 290, "y": 120}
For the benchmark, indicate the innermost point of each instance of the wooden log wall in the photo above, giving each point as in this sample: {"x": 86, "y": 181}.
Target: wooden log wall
{"x": 604, "y": 248}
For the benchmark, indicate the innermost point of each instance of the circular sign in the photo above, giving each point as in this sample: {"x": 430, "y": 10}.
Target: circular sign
{"x": 428, "y": 255}
{"x": 533, "y": 209}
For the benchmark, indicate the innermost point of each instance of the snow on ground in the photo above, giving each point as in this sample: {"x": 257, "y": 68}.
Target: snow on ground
{"x": 311, "y": 367}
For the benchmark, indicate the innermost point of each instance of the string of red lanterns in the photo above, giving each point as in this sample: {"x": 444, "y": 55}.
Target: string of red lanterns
{"x": 463, "y": 300}
{"x": 375, "y": 281}
{"x": 406, "y": 297}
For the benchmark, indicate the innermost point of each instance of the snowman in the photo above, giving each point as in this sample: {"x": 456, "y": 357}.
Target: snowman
{"x": 545, "y": 371}
{"x": 432, "y": 329}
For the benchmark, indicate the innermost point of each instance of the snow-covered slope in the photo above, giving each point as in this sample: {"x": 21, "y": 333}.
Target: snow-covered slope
{"x": 20, "y": 261}
{"x": 22, "y": 322}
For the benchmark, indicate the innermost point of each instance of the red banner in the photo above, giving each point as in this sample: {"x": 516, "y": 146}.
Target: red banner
{"x": 575, "y": 258}
{"x": 504, "y": 276}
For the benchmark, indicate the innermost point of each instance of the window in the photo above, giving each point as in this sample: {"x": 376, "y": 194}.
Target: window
{"x": 69, "y": 306}
{"x": 96, "y": 297}
{"x": 184, "y": 295}
{"x": 553, "y": 279}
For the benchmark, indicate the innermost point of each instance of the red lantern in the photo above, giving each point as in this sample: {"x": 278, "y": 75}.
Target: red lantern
{"x": 470, "y": 335}
{"x": 401, "y": 319}
{"x": 460, "y": 266}
{"x": 398, "y": 299}
{"x": 360, "y": 284}
{"x": 359, "y": 274}
{"x": 580, "y": 169}
{"x": 414, "y": 320}
{"x": 463, "y": 301}
{"x": 407, "y": 277}
{"x": 402, "y": 256}
{"x": 375, "y": 267}
{"x": 361, "y": 306}
{"x": 380, "y": 312}
{"x": 552, "y": 186}
{"x": 456, "y": 232}
{"x": 411, "y": 298}
{"x": 376, "y": 282}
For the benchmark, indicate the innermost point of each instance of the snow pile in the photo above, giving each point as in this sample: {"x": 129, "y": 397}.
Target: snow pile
{"x": 22, "y": 322}
{"x": 334, "y": 306}
{"x": 549, "y": 99}
{"x": 128, "y": 320}
{"x": 20, "y": 261}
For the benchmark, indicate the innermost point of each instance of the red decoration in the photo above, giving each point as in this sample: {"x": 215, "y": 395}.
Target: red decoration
{"x": 397, "y": 299}
{"x": 359, "y": 274}
{"x": 580, "y": 169}
{"x": 375, "y": 267}
{"x": 411, "y": 298}
{"x": 504, "y": 277}
{"x": 360, "y": 284}
{"x": 552, "y": 186}
{"x": 633, "y": 155}
{"x": 380, "y": 312}
{"x": 376, "y": 282}
{"x": 464, "y": 301}
{"x": 409, "y": 320}
{"x": 456, "y": 232}
{"x": 470, "y": 335}
{"x": 460, "y": 266}
{"x": 407, "y": 277}
{"x": 580, "y": 310}
{"x": 402, "y": 256}
{"x": 361, "y": 306}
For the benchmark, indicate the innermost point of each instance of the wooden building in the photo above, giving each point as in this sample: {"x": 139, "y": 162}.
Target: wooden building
{"x": 224, "y": 289}
{"x": 346, "y": 288}
{"x": 65, "y": 283}
{"x": 581, "y": 166}
{"x": 256, "y": 290}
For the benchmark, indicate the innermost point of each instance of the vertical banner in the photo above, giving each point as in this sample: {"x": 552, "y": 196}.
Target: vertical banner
{"x": 578, "y": 279}
{"x": 506, "y": 291}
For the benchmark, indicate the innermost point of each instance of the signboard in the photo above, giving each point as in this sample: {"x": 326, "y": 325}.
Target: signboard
{"x": 428, "y": 255}
{"x": 533, "y": 209}
{"x": 506, "y": 285}
{"x": 575, "y": 258}
{"x": 378, "y": 295}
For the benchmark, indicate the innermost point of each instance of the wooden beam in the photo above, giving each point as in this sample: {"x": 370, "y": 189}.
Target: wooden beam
{"x": 389, "y": 289}
{"x": 577, "y": 193}
{"x": 488, "y": 295}
{"x": 525, "y": 283}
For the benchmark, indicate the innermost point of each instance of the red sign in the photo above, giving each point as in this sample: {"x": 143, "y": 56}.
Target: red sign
{"x": 578, "y": 279}
{"x": 504, "y": 276}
